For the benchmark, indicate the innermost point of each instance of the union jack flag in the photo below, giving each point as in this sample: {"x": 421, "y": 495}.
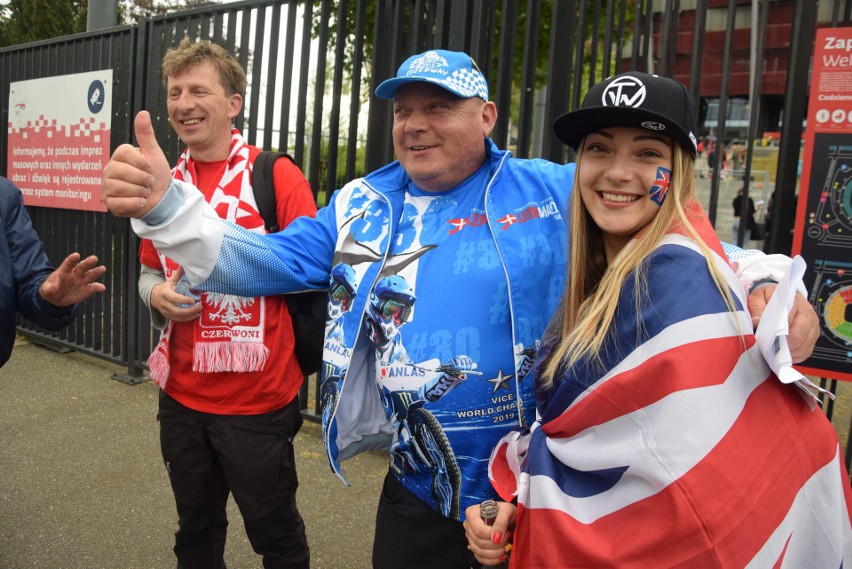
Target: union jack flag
{"x": 683, "y": 451}
{"x": 661, "y": 185}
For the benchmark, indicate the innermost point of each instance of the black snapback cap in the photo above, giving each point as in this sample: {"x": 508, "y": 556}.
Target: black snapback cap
{"x": 632, "y": 99}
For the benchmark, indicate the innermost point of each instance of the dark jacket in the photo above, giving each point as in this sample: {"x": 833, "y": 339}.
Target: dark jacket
{"x": 23, "y": 267}
{"x": 737, "y": 205}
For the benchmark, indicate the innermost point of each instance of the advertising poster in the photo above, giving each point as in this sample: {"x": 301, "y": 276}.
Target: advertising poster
{"x": 59, "y": 139}
{"x": 823, "y": 233}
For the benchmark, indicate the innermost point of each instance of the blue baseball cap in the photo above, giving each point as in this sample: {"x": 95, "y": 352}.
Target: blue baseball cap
{"x": 455, "y": 71}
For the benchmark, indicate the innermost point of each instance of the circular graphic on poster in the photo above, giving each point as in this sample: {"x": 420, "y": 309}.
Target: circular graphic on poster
{"x": 837, "y": 312}
{"x": 841, "y": 203}
{"x": 96, "y": 96}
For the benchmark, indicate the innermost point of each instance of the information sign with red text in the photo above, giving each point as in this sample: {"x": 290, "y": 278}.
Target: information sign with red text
{"x": 59, "y": 139}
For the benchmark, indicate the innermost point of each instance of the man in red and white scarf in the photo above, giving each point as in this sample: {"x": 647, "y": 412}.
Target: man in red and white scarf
{"x": 228, "y": 407}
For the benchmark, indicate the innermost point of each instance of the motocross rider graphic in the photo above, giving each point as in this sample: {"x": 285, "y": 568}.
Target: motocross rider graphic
{"x": 391, "y": 304}
{"x": 341, "y": 293}
{"x": 419, "y": 442}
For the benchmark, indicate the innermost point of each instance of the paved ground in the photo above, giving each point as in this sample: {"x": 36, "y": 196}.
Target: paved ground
{"x": 83, "y": 486}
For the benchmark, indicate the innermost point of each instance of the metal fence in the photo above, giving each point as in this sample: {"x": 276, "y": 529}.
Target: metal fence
{"x": 313, "y": 64}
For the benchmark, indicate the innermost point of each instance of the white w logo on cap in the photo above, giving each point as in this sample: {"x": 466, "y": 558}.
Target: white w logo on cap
{"x": 624, "y": 92}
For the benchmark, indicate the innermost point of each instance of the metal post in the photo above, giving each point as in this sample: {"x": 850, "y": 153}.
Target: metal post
{"x": 723, "y": 112}
{"x": 378, "y": 121}
{"x": 754, "y": 115}
{"x": 132, "y": 302}
{"x": 801, "y": 43}
{"x": 503, "y": 95}
{"x": 697, "y": 55}
{"x": 101, "y": 14}
{"x": 528, "y": 80}
{"x": 558, "y": 80}
{"x": 849, "y": 448}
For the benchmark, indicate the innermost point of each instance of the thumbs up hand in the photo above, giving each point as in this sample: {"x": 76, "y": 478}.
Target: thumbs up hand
{"x": 135, "y": 178}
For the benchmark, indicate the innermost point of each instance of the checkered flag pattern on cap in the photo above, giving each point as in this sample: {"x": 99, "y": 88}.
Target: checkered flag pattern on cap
{"x": 471, "y": 83}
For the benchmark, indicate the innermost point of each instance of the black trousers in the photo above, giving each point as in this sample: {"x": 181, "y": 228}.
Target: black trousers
{"x": 411, "y": 535}
{"x": 209, "y": 457}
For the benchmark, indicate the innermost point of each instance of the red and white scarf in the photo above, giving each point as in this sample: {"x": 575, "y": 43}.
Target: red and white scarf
{"x": 229, "y": 334}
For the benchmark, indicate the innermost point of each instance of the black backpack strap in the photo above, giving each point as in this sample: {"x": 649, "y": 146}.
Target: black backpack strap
{"x": 307, "y": 309}
{"x": 263, "y": 184}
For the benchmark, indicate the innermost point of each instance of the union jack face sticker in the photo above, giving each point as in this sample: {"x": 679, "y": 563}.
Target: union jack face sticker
{"x": 661, "y": 185}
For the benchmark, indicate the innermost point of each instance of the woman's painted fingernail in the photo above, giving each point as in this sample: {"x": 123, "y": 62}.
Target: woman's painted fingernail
{"x": 496, "y": 537}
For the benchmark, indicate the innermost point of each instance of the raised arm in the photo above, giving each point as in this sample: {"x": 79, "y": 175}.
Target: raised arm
{"x": 215, "y": 255}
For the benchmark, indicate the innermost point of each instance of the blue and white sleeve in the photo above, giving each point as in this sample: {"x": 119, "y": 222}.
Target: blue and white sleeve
{"x": 223, "y": 257}
{"x": 755, "y": 268}
{"x": 184, "y": 228}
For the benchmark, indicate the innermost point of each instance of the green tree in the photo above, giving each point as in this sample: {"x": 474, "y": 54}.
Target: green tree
{"x": 23, "y": 21}
{"x": 596, "y": 25}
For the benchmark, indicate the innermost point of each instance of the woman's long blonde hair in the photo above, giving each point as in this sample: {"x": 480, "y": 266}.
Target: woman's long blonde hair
{"x": 593, "y": 288}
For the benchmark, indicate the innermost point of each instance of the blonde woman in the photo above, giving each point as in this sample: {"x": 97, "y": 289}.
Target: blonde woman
{"x": 663, "y": 439}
